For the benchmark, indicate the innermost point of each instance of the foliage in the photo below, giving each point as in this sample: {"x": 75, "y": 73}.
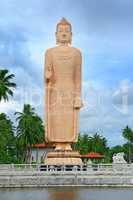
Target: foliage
{"x": 114, "y": 150}
{"x": 128, "y": 134}
{"x": 7, "y": 140}
{"x": 128, "y": 148}
{"x": 30, "y": 130}
{"x": 95, "y": 143}
{"x": 6, "y": 84}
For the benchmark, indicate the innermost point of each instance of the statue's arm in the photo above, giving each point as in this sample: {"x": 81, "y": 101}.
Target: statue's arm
{"x": 78, "y": 74}
{"x": 48, "y": 66}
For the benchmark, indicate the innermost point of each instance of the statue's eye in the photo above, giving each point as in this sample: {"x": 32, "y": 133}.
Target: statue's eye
{"x": 60, "y": 29}
{"x": 67, "y": 30}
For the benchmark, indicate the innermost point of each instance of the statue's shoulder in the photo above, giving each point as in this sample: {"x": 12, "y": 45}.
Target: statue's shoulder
{"x": 52, "y": 50}
{"x": 48, "y": 51}
{"x": 76, "y": 50}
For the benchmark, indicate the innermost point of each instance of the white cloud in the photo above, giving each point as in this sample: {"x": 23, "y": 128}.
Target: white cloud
{"x": 7, "y": 107}
{"x": 102, "y": 114}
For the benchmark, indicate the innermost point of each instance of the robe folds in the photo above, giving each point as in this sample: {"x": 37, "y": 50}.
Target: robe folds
{"x": 62, "y": 87}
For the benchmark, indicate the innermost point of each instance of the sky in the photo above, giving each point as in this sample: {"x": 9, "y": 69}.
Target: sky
{"x": 102, "y": 30}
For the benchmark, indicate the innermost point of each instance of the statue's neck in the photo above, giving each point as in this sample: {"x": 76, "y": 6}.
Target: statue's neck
{"x": 64, "y": 44}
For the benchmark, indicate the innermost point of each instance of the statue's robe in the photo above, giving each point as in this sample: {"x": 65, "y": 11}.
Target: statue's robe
{"x": 63, "y": 86}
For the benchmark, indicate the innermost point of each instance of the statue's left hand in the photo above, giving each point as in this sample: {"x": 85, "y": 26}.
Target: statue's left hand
{"x": 78, "y": 103}
{"x": 48, "y": 73}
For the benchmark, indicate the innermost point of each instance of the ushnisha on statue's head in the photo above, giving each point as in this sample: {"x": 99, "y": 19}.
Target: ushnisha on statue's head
{"x": 63, "y": 32}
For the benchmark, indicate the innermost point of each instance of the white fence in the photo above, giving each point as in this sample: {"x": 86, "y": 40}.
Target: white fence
{"x": 82, "y": 169}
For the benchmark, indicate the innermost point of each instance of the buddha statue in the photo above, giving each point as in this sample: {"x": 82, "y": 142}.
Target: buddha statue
{"x": 63, "y": 89}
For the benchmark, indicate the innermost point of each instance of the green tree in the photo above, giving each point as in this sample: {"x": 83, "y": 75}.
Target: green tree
{"x": 30, "y": 130}
{"x": 77, "y": 145}
{"x": 7, "y": 140}
{"x": 82, "y": 144}
{"x": 128, "y": 152}
{"x": 114, "y": 150}
{"x": 6, "y": 84}
{"x": 98, "y": 144}
{"x": 128, "y": 135}
{"x": 84, "y": 149}
{"x": 95, "y": 143}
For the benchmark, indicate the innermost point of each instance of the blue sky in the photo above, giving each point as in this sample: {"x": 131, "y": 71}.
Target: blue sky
{"x": 103, "y": 30}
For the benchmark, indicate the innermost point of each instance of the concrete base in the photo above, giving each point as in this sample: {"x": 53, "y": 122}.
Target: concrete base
{"x": 63, "y": 158}
{"x": 40, "y": 179}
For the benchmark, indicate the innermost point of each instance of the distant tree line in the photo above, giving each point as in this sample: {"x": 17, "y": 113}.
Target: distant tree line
{"x": 88, "y": 142}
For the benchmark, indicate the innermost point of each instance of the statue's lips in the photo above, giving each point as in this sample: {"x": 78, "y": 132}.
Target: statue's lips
{"x": 64, "y": 39}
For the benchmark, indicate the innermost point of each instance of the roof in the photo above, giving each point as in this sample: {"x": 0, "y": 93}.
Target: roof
{"x": 92, "y": 155}
{"x": 43, "y": 145}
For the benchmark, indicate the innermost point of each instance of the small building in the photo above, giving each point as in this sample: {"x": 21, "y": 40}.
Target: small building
{"x": 39, "y": 152}
{"x": 93, "y": 157}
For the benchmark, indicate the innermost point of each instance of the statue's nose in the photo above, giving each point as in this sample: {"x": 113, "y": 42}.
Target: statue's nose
{"x": 64, "y": 35}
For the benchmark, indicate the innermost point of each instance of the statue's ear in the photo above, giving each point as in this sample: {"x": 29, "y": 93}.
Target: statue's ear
{"x": 56, "y": 37}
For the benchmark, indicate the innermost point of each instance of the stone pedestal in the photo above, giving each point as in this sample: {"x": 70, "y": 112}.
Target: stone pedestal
{"x": 63, "y": 158}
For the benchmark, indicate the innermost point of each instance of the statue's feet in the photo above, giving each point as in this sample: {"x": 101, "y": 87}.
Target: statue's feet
{"x": 58, "y": 147}
{"x": 67, "y": 147}
{"x": 63, "y": 147}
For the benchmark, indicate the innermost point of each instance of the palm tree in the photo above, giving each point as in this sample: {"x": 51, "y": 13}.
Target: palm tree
{"x": 6, "y": 85}
{"x": 30, "y": 130}
{"x": 7, "y": 140}
{"x": 82, "y": 144}
{"x": 128, "y": 135}
{"x": 99, "y": 143}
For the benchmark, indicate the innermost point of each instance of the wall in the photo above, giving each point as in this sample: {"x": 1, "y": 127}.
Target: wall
{"x": 42, "y": 179}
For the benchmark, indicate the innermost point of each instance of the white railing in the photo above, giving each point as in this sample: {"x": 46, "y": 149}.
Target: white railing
{"x": 81, "y": 169}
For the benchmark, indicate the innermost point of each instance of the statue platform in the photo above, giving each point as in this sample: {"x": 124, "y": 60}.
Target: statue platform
{"x": 63, "y": 158}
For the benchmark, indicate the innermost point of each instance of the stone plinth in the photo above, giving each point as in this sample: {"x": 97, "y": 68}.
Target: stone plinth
{"x": 63, "y": 158}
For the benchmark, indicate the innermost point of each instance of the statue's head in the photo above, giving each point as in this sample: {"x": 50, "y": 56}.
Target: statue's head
{"x": 63, "y": 32}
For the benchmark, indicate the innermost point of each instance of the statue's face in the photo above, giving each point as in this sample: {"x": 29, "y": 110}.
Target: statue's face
{"x": 64, "y": 34}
